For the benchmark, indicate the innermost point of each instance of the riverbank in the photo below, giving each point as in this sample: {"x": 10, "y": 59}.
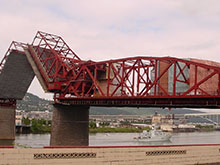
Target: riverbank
{"x": 41, "y": 126}
{"x": 205, "y": 128}
{"x": 47, "y": 129}
{"x": 116, "y": 130}
{"x": 43, "y": 130}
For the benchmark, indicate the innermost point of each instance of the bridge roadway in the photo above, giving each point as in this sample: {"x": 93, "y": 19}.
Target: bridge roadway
{"x": 77, "y": 84}
{"x": 175, "y": 102}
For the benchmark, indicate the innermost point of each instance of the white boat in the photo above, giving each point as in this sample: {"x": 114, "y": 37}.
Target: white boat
{"x": 153, "y": 136}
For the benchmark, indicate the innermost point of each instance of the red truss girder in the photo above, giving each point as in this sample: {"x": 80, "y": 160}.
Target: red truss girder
{"x": 70, "y": 78}
{"x": 59, "y": 62}
{"x": 139, "y": 77}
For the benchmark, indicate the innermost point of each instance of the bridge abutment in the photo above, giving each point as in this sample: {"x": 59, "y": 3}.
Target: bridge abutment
{"x": 70, "y": 125}
{"x": 7, "y": 123}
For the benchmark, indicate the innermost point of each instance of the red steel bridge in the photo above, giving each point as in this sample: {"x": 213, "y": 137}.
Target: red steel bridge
{"x": 135, "y": 81}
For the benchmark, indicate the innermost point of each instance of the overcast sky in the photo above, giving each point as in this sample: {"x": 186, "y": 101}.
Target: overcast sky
{"x": 108, "y": 29}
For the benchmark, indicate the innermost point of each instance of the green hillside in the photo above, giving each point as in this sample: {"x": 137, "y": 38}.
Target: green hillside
{"x": 137, "y": 111}
{"x": 32, "y": 102}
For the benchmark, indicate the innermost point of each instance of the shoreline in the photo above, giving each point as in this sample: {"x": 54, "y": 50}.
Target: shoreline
{"x": 126, "y": 130}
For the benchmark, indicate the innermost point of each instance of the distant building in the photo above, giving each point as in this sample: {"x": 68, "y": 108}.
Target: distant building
{"x": 164, "y": 121}
{"x": 156, "y": 119}
{"x": 32, "y": 114}
{"x": 18, "y": 117}
{"x": 40, "y": 115}
{"x": 18, "y": 120}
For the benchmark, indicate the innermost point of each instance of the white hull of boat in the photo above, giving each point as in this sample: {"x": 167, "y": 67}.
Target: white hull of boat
{"x": 153, "y": 136}
{"x": 155, "y": 139}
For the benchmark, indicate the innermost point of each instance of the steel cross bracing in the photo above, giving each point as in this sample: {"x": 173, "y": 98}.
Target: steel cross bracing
{"x": 136, "y": 81}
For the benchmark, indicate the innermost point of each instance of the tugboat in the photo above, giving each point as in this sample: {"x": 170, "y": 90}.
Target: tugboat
{"x": 153, "y": 135}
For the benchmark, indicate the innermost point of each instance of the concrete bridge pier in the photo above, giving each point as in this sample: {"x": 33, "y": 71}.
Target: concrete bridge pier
{"x": 70, "y": 125}
{"x": 7, "y": 123}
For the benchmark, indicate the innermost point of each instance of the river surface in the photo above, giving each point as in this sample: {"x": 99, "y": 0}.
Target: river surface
{"x": 119, "y": 139}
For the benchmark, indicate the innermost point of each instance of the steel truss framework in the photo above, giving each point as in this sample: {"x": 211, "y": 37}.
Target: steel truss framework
{"x": 135, "y": 81}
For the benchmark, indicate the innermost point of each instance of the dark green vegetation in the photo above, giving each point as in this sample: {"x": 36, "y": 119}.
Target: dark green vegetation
{"x": 205, "y": 127}
{"x": 38, "y": 125}
{"x": 34, "y": 103}
{"x": 106, "y": 129}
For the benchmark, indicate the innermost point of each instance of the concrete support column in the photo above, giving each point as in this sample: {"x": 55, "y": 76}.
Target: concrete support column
{"x": 70, "y": 125}
{"x": 7, "y": 123}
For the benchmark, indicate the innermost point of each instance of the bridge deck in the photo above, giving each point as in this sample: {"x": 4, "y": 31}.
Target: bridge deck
{"x": 203, "y": 102}
{"x": 16, "y": 76}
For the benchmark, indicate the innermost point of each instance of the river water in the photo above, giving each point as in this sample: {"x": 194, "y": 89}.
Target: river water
{"x": 120, "y": 139}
